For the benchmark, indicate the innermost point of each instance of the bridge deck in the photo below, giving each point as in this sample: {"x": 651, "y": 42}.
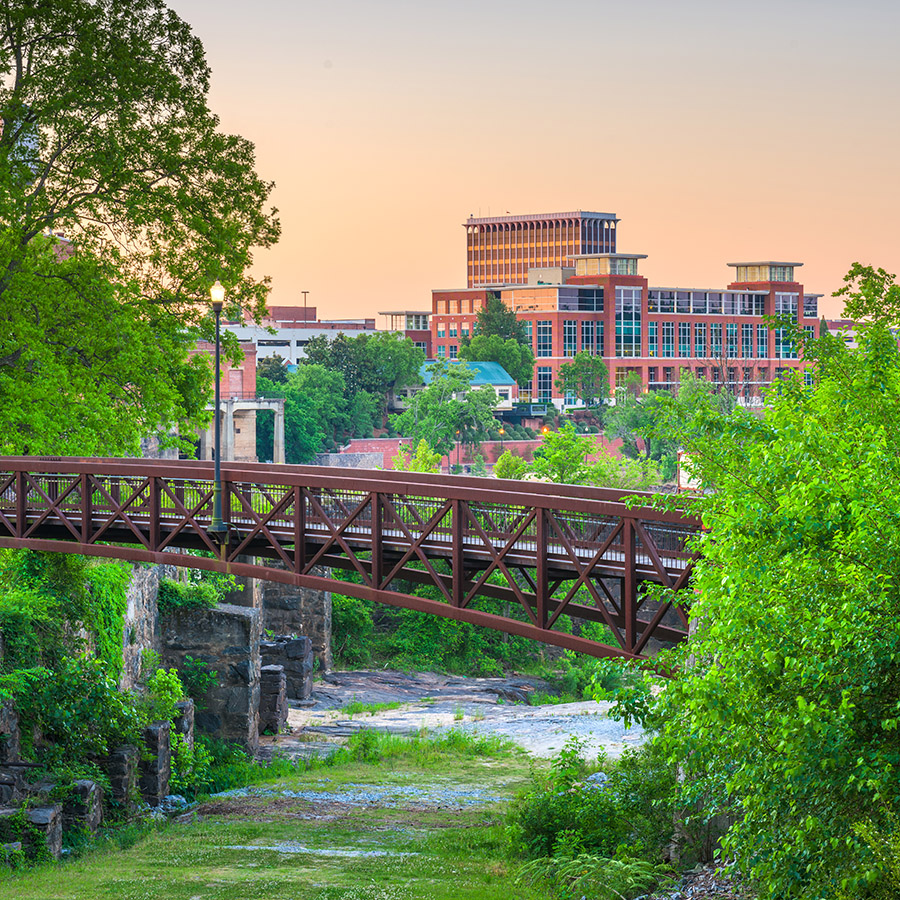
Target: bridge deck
{"x": 547, "y": 550}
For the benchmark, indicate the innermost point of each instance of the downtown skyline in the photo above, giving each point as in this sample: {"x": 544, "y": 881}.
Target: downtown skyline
{"x": 716, "y": 133}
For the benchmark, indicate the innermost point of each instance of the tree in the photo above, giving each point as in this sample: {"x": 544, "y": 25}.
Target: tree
{"x": 516, "y": 358}
{"x": 586, "y": 377}
{"x": 565, "y": 457}
{"x": 274, "y": 368}
{"x": 108, "y": 138}
{"x": 303, "y": 428}
{"x": 497, "y": 319}
{"x": 423, "y": 460}
{"x": 785, "y": 715}
{"x": 376, "y": 363}
{"x": 448, "y": 410}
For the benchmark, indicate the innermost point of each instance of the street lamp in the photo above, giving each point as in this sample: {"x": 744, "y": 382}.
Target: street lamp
{"x": 502, "y": 432}
{"x": 457, "y": 450}
{"x": 217, "y": 526}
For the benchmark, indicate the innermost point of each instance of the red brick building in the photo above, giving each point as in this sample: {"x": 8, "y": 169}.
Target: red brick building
{"x": 598, "y": 302}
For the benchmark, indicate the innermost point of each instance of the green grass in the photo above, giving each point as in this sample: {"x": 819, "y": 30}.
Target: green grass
{"x": 434, "y": 848}
{"x": 355, "y": 707}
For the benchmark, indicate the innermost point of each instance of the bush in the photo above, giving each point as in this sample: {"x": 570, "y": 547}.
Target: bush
{"x": 633, "y": 809}
{"x": 351, "y": 630}
{"x": 174, "y": 595}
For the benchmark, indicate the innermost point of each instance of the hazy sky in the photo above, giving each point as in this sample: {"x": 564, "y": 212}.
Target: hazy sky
{"x": 716, "y": 131}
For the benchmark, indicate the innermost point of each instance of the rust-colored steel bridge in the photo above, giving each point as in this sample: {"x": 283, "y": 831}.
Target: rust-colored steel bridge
{"x": 546, "y": 550}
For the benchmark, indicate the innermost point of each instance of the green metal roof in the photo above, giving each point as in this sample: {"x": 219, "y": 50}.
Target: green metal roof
{"x": 485, "y": 372}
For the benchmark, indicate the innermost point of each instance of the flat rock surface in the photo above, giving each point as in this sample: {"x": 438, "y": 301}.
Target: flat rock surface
{"x": 490, "y": 706}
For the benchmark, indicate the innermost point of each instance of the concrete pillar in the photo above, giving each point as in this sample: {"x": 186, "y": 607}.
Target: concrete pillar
{"x": 278, "y": 451}
{"x": 228, "y": 432}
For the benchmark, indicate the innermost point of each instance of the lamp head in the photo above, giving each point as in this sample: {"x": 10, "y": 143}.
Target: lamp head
{"x": 217, "y": 296}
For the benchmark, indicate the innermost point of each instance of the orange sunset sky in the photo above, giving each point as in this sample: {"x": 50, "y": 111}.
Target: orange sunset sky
{"x": 716, "y": 131}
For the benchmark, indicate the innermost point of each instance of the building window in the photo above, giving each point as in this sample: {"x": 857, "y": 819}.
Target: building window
{"x": 699, "y": 303}
{"x": 570, "y": 337}
{"x": 683, "y": 302}
{"x": 544, "y": 382}
{"x": 668, "y": 339}
{"x": 527, "y": 330}
{"x": 441, "y": 351}
{"x": 454, "y": 351}
{"x": 746, "y": 341}
{"x": 452, "y": 329}
{"x": 715, "y": 340}
{"x": 525, "y": 389}
{"x": 684, "y": 338}
{"x": 810, "y": 331}
{"x": 421, "y": 345}
{"x": 731, "y": 346}
{"x": 652, "y": 376}
{"x": 653, "y": 339}
{"x": 601, "y": 343}
{"x": 714, "y": 303}
{"x": 440, "y": 331}
{"x": 762, "y": 341}
{"x": 786, "y": 305}
{"x": 587, "y": 337}
{"x": 544, "y": 339}
{"x": 700, "y": 341}
{"x": 628, "y": 321}
{"x": 464, "y": 330}
{"x": 810, "y": 306}
{"x": 590, "y": 299}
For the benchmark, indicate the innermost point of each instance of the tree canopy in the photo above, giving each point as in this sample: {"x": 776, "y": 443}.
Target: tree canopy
{"x": 107, "y": 138}
{"x": 786, "y": 716}
{"x": 448, "y": 409}
{"x": 375, "y": 363}
{"x": 497, "y": 319}
{"x": 585, "y": 377}
{"x": 516, "y": 358}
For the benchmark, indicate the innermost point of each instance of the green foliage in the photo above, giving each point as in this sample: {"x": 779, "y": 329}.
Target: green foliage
{"x": 448, "y": 409}
{"x": 174, "y": 595}
{"x": 509, "y": 465}
{"x": 191, "y": 767}
{"x": 424, "y": 460}
{"x": 272, "y": 368}
{"x": 586, "y": 378}
{"x": 304, "y": 431}
{"x": 563, "y": 458}
{"x": 197, "y": 678}
{"x": 495, "y": 318}
{"x": 351, "y": 630}
{"x": 164, "y": 690}
{"x": 598, "y": 877}
{"x": 110, "y": 140}
{"x": 516, "y": 357}
{"x": 634, "y": 808}
{"x": 375, "y": 363}
{"x": 107, "y": 586}
{"x": 785, "y": 714}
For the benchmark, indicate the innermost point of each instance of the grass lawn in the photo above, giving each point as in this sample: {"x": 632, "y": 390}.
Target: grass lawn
{"x": 420, "y": 819}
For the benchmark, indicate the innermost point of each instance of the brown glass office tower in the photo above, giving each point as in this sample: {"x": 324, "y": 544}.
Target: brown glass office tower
{"x": 501, "y": 249}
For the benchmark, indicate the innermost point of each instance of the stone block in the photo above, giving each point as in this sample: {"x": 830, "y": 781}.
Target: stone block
{"x": 84, "y": 807}
{"x": 295, "y": 655}
{"x": 226, "y": 638}
{"x": 184, "y": 723}
{"x": 10, "y": 737}
{"x": 156, "y": 763}
{"x": 34, "y": 831}
{"x": 122, "y": 768}
{"x": 273, "y": 706}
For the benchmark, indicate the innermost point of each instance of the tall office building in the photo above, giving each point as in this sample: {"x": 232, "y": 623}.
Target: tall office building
{"x": 501, "y": 249}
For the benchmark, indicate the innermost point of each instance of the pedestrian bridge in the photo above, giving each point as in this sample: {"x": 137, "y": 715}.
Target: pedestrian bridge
{"x": 544, "y": 551}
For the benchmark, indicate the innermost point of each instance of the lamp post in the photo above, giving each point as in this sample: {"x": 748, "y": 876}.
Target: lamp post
{"x": 457, "y": 452}
{"x": 502, "y": 433}
{"x": 217, "y": 526}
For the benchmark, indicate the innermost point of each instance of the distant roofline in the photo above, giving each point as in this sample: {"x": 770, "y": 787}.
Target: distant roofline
{"x": 709, "y": 290}
{"x": 407, "y": 312}
{"x": 607, "y": 256}
{"x": 540, "y": 217}
{"x": 767, "y": 262}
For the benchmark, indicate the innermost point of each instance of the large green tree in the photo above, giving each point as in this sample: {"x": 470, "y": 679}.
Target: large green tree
{"x": 376, "y": 363}
{"x": 516, "y": 358}
{"x": 448, "y": 410}
{"x": 786, "y": 711}
{"x": 107, "y": 137}
{"x": 585, "y": 377}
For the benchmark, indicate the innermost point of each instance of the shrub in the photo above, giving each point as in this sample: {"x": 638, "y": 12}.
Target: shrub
{"x": 634, "y": 808}
{"x": 351, "y": 630}
{"x": 175, "y": 595}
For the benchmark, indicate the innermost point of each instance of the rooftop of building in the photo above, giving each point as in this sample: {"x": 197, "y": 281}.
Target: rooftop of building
{"x": 540, "y": 217}
{"x": 766, "y": 262}
{"x": 485, "y": 372}
{"x": 607, "y": 256}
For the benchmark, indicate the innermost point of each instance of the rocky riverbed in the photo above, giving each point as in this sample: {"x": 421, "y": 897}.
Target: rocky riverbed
{"x": 494, "y": 706}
